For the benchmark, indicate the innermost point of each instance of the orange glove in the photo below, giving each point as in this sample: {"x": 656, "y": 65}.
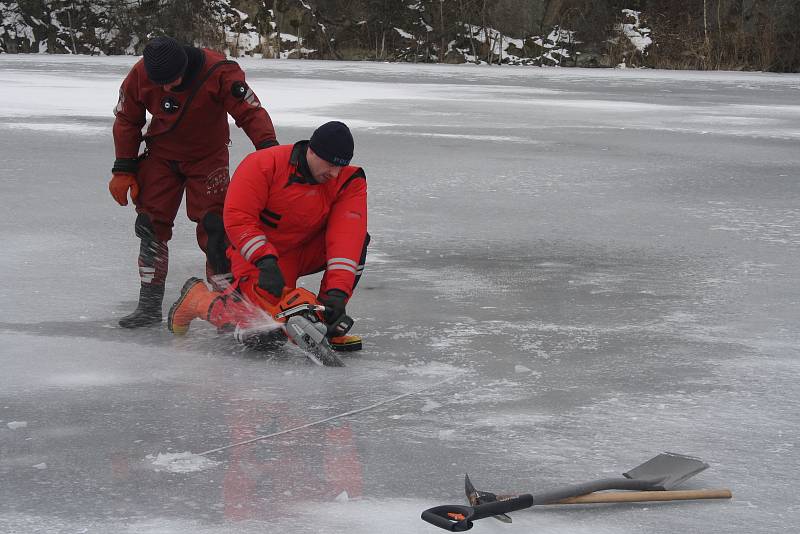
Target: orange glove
{"x": 120, "y": 184}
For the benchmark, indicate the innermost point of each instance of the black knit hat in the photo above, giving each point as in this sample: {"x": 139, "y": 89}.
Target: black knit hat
{"x": 333, "y": 142}
{"x": 164, "y": 60}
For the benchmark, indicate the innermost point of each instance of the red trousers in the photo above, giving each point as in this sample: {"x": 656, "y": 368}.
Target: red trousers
{"x": 231, "y": 311}
{"x": 161, "y": 187}
{"x": 162, "y": 183}
{"x": 306, "y": 259}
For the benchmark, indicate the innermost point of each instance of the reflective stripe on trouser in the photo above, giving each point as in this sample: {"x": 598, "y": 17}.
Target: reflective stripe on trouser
{"x": 153, "y": 262}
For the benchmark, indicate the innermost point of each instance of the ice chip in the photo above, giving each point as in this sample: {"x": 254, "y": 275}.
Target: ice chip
{"x": 181, "y": 462}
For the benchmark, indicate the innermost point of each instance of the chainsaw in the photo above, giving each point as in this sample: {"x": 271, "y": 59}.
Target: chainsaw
{"x": 301, "y": 319}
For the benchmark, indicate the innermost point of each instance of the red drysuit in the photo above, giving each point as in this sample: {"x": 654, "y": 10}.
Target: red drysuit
{"x": 274, "y": 207}
{"x": 186, "y": 150}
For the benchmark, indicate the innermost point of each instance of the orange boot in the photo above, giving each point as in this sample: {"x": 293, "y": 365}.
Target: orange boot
{"x": 195, "y": 302}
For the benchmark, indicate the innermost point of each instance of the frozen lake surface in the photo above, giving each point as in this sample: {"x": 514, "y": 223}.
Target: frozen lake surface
{"x": 571, "y": 270}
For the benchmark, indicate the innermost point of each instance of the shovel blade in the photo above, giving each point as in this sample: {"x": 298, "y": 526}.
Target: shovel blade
{"x": 477, "y": 497}
{"x": 668, "y": 469}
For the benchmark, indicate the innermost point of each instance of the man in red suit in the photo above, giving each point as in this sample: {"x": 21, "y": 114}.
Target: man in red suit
{"x": 189, "y": 92}
{"x": 291, "y": 210}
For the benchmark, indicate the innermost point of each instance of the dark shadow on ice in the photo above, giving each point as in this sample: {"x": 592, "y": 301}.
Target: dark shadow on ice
{"x": 204, "y": 340}
{"x": 111, "y": 332}
{"x": 98, "y": 330}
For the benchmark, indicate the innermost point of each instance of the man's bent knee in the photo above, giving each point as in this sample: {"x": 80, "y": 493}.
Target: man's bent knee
{"x": 149, "y": 230}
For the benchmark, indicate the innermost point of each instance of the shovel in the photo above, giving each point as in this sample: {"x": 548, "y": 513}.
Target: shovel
{"x": 659, "y": 474}
{"x": 478, "y": 497}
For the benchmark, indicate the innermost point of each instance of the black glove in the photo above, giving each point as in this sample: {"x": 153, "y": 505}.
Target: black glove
{"x": 334, "y": 302}
{"x": 270, "y": 277}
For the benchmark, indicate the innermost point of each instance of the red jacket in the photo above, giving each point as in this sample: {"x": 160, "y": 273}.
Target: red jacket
{"x": 191, "y": 123}
{"x": 272, "y": 206}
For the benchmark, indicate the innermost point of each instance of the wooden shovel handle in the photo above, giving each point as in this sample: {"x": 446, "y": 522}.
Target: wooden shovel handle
{"x": 645, "y": 496}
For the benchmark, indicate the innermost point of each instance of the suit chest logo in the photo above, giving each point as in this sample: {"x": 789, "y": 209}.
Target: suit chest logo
{"x": 170, "y": 105}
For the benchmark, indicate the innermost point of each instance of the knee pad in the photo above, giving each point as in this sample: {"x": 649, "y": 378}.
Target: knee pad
{"x": 364, "y": 250}
{"x": 144, "y": 228}
{"x": 213, "y": 224}
{"x": 217, "y": 243}
{"x": 151, "y": 250}
{"x": 362, "y": 261}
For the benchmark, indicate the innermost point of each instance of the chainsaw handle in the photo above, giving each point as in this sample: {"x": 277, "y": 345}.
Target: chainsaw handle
{"x": 458, "y": 518}
{"x": 340, "y": 327}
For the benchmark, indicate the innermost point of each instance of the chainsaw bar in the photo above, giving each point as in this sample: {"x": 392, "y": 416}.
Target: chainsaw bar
{"x": 310, "y": 336}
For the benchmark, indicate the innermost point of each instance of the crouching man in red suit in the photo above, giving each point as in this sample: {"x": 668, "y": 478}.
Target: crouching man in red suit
{"x": 291, "y": 210}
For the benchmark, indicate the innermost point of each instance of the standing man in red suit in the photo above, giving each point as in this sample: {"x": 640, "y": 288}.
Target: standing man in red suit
{"x": 189, "y": 92}
{"x": 291, "y": 210}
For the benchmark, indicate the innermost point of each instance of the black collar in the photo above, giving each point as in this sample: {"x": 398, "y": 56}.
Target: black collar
{"x": 298, "y": 160}
{"x": 196, "y": 60}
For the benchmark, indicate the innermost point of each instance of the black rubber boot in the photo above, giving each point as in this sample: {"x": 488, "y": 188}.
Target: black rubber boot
{"x": 148, "y": 311}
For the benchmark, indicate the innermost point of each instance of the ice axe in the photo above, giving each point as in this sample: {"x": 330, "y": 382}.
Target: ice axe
{"x": 649, "y": 481}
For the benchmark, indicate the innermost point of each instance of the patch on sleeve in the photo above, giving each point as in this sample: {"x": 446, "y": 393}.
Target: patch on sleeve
{"x": 239, "y": 89}
{"x": 242, "y": 91}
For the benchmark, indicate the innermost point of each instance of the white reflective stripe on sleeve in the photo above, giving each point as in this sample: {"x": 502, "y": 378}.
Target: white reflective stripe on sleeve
{"x": 346, "y": 261}
{"x": 253, "y": 245}
{"x": 339, "y": 266}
